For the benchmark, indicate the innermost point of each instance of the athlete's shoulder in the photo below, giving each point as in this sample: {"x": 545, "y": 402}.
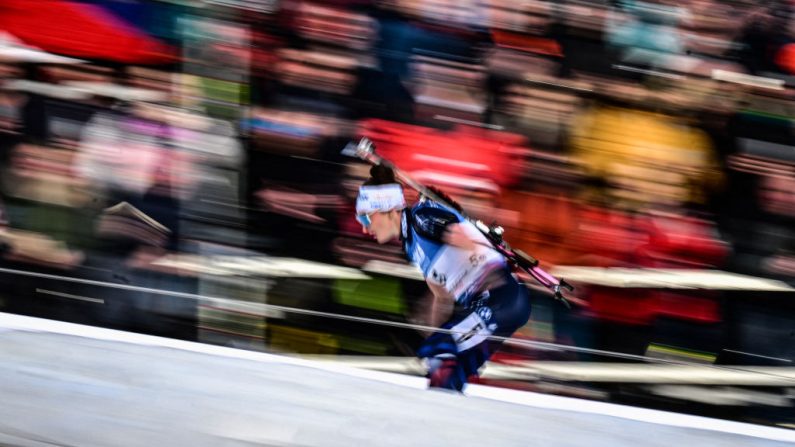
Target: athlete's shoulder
{"x": 430, "y": 220}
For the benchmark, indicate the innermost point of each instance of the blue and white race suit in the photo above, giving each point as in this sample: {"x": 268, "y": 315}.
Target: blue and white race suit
{"x": 484, "y": 306}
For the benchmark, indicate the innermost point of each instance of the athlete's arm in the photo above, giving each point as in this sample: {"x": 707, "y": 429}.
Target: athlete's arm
{"x": 457, "y": 236}
{"x": 441, "y": 306}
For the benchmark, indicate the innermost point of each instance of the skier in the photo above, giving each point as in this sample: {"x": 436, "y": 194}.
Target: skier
{"x": 459, "y": 265}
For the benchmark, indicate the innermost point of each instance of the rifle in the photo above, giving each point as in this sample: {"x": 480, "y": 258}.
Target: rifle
{"x": 519, "y": 260}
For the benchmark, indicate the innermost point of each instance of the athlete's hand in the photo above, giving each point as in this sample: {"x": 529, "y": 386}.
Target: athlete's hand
{"x": 456, "y": 236}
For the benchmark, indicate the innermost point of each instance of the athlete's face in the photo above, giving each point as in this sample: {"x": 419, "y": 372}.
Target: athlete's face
{"x": 383, "y": 226}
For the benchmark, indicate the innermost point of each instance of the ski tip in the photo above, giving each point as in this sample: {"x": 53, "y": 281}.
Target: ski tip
{"x": 350, "y": 149}
{"x": 363, "y": 149}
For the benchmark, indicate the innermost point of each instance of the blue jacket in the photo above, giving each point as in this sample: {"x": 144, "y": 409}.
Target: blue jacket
{"x": 461, "y": 272}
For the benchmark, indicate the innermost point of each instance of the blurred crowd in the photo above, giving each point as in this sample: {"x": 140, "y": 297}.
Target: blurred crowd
{"x": 638, "y": 134}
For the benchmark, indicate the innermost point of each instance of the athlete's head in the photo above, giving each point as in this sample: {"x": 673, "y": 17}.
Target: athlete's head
{"x": 379, "y": 204}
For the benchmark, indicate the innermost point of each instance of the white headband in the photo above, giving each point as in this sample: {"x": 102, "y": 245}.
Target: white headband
{"x": 374, "y": 198}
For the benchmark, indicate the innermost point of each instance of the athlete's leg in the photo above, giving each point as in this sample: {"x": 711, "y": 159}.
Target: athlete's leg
{"x": 453, "y": 358}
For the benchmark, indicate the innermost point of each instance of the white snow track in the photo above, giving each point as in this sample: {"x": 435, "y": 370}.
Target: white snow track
{"x": 71, "y": 385}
